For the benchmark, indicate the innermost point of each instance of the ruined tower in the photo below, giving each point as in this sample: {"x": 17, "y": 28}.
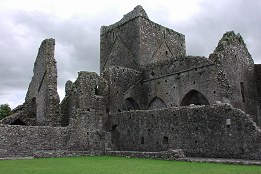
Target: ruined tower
{"x": 135, "y": 41}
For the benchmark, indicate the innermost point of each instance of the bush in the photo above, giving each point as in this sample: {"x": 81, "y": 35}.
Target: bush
{"x": 5, "y": 110}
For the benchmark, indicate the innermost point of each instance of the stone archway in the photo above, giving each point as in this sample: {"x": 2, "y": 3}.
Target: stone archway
{"x": 129, "y": 104}
{"x": 156, "y": 103}
{"x": 194, "y": 97}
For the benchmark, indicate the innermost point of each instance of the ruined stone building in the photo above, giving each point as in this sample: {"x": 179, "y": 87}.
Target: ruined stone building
{"x": 149, "y": 97}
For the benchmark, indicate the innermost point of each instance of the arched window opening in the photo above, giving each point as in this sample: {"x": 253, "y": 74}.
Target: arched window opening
{"x": 157, "y": 103}
{"x": 194, "y": 97}
{"x": 129, "y": 104}
{"x": 18, "y": 122}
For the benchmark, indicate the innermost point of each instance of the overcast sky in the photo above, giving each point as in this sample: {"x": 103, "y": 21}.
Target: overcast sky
{"x": 76, "y": 25}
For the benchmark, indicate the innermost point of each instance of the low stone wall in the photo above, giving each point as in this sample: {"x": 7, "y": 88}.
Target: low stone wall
{"x": 26, "y": 140}
{"x": 218, "y": 131}
{"x": 166, "y": 155}
{"x": 64, "y": 153}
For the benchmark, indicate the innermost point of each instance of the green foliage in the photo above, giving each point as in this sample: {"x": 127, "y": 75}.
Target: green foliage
{"x": 118, "y": 165}
{"x": 5, "y": 110}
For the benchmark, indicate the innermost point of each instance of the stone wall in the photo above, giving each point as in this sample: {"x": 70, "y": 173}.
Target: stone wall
{"x": 172, "y": 81}
{"x": 258, "y": 86}
{"x": 42, "y": 91}
{"x": 121, "y": 80}
{"x": 201, "y": 131}
{"x": 236, "y": 65}
{"x": 159, "y": 43}
{"x": 86, "y": 110}
{"x": 27, "y": 140}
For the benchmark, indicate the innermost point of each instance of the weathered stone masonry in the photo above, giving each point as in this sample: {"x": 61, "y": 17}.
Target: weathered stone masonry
{"x": 150, "y": 97}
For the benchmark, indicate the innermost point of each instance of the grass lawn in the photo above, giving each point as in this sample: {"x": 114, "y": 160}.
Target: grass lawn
{"x": 114, "y": 165}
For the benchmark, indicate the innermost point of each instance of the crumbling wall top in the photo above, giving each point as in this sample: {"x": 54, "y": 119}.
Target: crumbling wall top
{"x": 138, "y": 11}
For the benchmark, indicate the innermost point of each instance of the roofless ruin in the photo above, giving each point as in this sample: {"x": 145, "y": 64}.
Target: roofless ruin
{"x": 149, "y": 97}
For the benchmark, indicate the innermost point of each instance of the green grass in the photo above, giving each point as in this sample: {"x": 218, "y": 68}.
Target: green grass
{"x": 115, "y": 165}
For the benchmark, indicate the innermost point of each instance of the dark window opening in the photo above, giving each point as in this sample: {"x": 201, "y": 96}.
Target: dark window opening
{"x": 113, "y": 36}
{"x": 165, "y": 140}
{"x": 194, "y": 97}
{"x": 18, "y": 122}
{"x": 196, "y": 128}
{"x": 167, "y": 52}
{"x": 214, "y": 92}
{"x": 242, "y": 91}
{"x": 196, "y": 141}
{"x": 228, "y": 126}
{"x": 142, "y": 140}
{"x": 129, "y": 104}
{"x": 119, "y": 110}
{"x": 164, "y": 34}
{"x": 33, "y": 108}
{"x": 115, "y": 135}
{"x": 96, "y": 89}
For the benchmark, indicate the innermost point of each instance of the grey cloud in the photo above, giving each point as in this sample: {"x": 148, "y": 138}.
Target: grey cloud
{"x": 80, "y": 37}
{"x": 77, "y": 39}
{"x": 204, "y": 30}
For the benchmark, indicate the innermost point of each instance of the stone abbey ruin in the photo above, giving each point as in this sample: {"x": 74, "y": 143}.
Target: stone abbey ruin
{"x": 150, "y": 97}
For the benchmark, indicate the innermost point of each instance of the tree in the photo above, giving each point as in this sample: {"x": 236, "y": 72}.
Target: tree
{"x": 5, "y": 110}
